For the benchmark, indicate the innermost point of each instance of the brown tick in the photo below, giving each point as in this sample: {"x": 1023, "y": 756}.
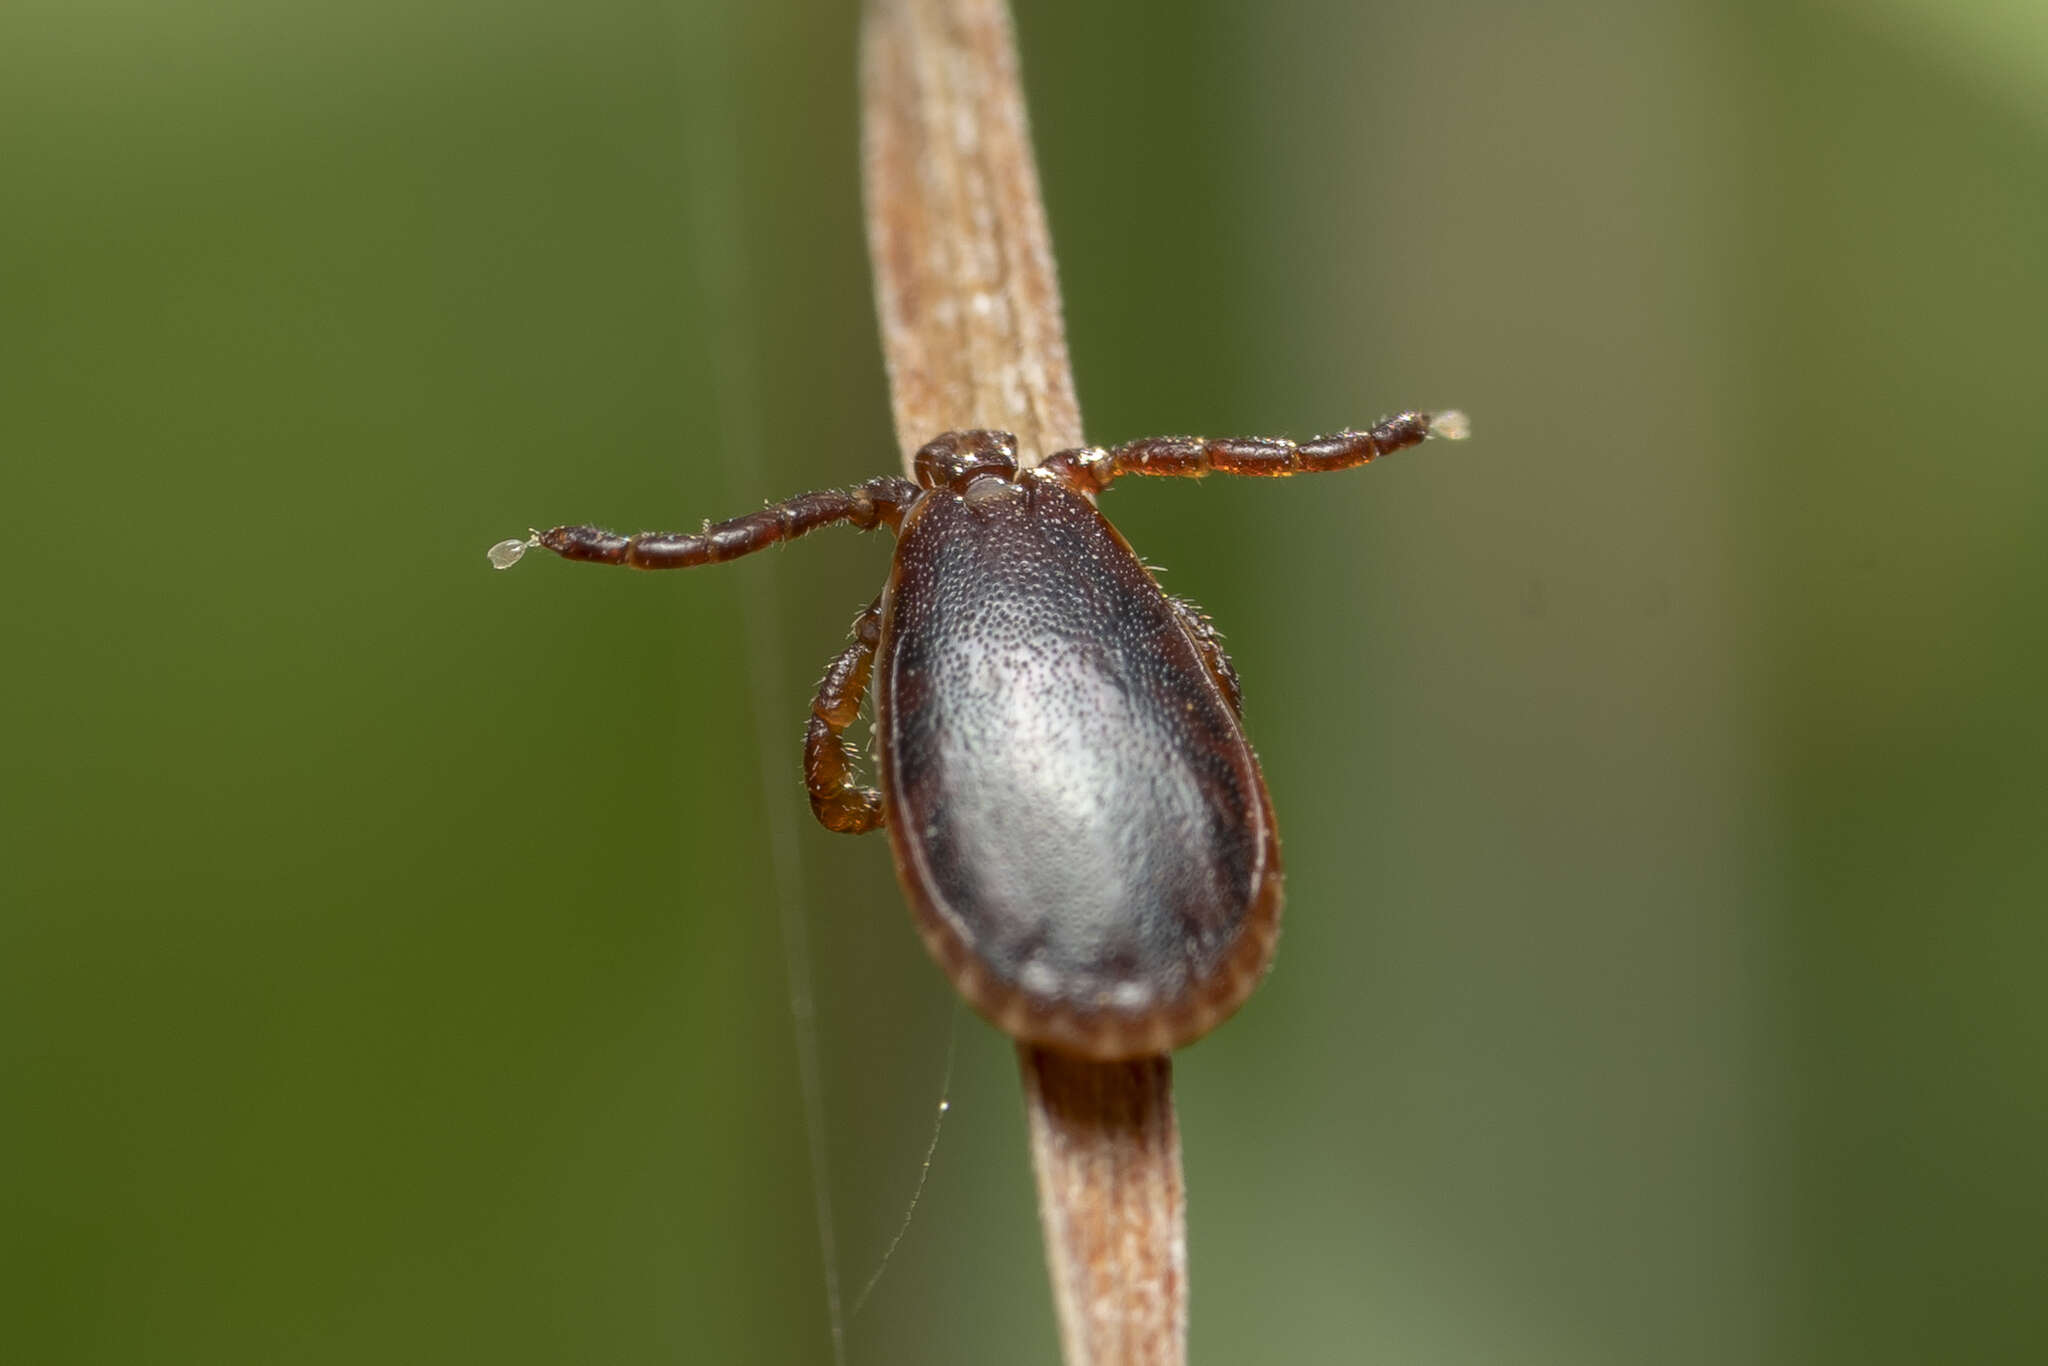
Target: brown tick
{"x": 1077, "y": 818}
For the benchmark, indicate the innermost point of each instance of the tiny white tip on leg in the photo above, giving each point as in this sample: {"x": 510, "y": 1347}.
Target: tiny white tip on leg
{"x": 1451, "y": 425}
{"x": 505, "y": 554}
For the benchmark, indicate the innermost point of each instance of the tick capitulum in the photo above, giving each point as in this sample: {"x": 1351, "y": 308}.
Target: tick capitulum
{"x": 1078, "y": 822}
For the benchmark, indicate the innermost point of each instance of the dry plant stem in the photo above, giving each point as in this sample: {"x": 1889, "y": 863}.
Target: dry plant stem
{"x": 973, "y": 337}
{"x": 1107, "y": 1150}
{"x": 964, "y": 278}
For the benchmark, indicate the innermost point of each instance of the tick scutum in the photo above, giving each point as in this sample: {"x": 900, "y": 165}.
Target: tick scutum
{"x": 1082, "y": 827}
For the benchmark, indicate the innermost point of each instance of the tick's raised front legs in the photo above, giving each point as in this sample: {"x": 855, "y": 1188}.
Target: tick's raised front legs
{"x": 1190, "y": 457}
{"x": 837, "y": 801}
{"x": 879, "y": 502}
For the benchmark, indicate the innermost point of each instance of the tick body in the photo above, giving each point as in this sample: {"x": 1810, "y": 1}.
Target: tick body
{"x": 1077, "y": 819}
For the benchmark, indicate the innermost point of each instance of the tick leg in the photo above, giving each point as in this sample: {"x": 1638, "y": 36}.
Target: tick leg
{"x": 879, "y": 502}
{"x": 837, "y": 801}
{"x": 1190, "y": 457}
{"x": 1210, "y": 643}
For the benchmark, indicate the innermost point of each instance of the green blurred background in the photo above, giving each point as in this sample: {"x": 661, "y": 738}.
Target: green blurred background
{"x": 392, "y": 955}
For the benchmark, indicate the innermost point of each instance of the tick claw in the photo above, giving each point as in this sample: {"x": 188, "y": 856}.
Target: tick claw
{"x": 1451, "y": 425}
{"x": 505, "y": 554}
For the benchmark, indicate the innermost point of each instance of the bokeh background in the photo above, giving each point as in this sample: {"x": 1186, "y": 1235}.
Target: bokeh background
{"x": 394, "y": 954}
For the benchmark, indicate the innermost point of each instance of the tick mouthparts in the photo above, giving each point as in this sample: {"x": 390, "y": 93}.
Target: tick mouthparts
{"x": 1451, "y": 425}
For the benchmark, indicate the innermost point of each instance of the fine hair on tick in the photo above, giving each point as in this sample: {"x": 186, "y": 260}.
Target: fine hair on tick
{"x": 1078, "y": 821}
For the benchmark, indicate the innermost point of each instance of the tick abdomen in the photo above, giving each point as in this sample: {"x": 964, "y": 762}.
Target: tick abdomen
{"x": 1072, "y": 798}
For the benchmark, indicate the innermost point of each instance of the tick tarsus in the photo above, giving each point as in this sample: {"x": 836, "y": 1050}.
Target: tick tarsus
{"x": 1014, "y": 900}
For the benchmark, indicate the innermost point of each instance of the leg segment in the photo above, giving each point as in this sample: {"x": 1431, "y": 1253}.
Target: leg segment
{"x": 878, "y": 502}
{"x": 1210, "y": 643}
{"x": 1191, "y": 457}
{"x": 837, "y": 801}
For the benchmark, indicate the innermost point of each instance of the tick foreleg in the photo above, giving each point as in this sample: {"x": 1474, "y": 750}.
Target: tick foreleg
{"x": 836, "y": 799}
{"x": 1092, "y": 469}
{"x": 879, "y": 502}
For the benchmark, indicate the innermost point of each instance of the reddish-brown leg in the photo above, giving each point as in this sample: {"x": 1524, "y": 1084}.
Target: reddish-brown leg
{"x": 879, "y": 502}
{"x": 1092, "y": 469}
{"x": 1210, "y": 643}
{"x": 836, "y": 799}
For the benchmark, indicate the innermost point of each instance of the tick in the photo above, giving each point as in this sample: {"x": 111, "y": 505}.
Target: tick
{"x": 1078, "y": 821}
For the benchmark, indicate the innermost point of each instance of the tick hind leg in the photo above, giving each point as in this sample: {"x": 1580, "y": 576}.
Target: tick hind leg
{"x": 836, "y": 799}
{"x": 1210, "y": 643}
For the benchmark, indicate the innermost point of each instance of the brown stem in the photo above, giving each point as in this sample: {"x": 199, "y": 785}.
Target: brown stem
{"x": 1111, "y": 1202}
{"x": 964, "y": 278}
{"x": 972, "y": 334}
